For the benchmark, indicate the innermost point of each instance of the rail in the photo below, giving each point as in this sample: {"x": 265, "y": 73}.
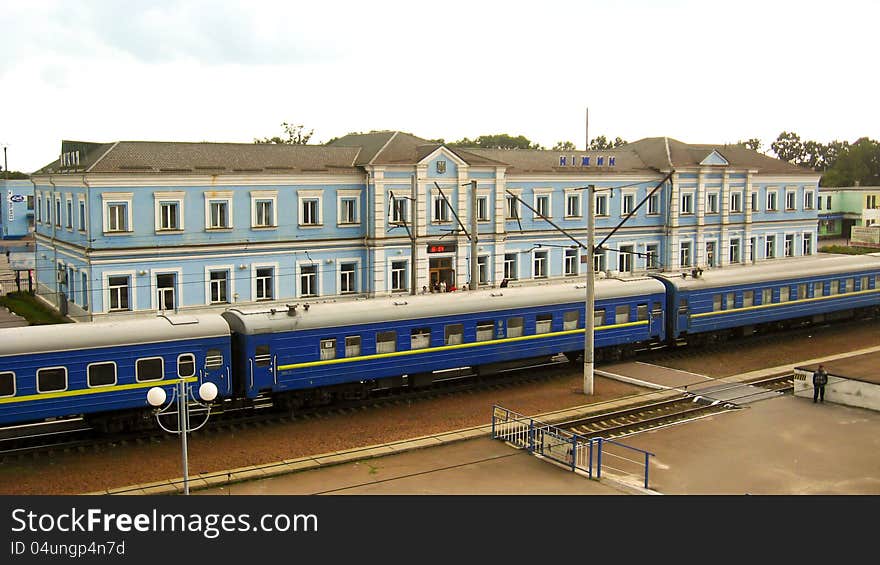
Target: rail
{"x": 572, "y": 450}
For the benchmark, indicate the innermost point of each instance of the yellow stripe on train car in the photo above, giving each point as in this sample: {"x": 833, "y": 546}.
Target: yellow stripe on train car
{"x": 788, "y": 303}
{"x": 96, "y": 390}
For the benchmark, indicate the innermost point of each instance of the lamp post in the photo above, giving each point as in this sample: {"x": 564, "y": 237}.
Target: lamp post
{"x": 589, "y": 308}
{"x": 182, "y": 405}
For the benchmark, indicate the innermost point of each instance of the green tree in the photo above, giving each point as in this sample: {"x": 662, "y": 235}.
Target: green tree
{"x": 789, "y": 147}
{"x": 857, "y": 163}
{"x": 564, "y": 146}
{"x": 13, "y": 175}
{"x": 496, "y": 141}
{"x": 752, "y": 143}
{"x": 296, "y": 135}
{"x": 601, "y": 143}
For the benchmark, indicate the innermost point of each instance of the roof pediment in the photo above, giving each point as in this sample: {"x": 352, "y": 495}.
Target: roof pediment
{"x": 714, "y": 159}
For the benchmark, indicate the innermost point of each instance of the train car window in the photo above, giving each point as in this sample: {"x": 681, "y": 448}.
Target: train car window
{"x": 262, "y": 357}
{"x": 51, "y": 379}
{"x": 543, "y": 323}
{"x": 849, "y": 285}
{"x": 149, "y": 369}
{"x": 716, "y": 302}
{"x": 683, "y": 306}
{"x": 748, "y": 298}
{"x": 784, "y": 293}
{"x": 876, "y": 281}
{"x": 7, "y": 383}
{"x": 328, "y": 349}
{"x": 642, "y": 312}
{"x": 514, "y": 327}
{"x": 213, "y": 359}
{"x": 353, "y": 346}
{"x": 420, "y": 338}
{"x": 454, "y": 334}
{"x": 571, "y": 319}
{"x": 766, "y": 295}
{"x": 599, "y": 317}
{"x": 186, "y": 365}
{"x": 835, "y": 288}
{"x": 863, "y": 283}
{"x": 386, "y": 342}
{"x": 802, "y": 291}
{"x": 485, "y": 330}
{"x": 818, "y": 289}
{"x": 102, "y": 374}
{"x": 621, "y": 314}
{"x": 730, "y": 301}
{"x": 657, "y": 309}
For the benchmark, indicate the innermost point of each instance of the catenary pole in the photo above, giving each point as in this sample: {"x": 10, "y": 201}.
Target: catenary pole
{"x": 475, "y": 279}
{"x": 590, "y": 320}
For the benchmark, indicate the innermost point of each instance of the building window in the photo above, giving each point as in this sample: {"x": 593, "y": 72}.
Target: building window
{"x": 39, "y": 210}
{"x": 512, "y": 208}
{"x": 441, "y": 209}
{"x": 652, "y": 252}
{"x": 483, "y": 269}
{"x": 770, "y": 247}
{"x": 347, "y": 278}
{"x": 687, "y": 203}
{"x": 483, "y": 208}
{"x": 264, "y": 213}
{"x": 82, "y": 215}
{"x": 310, "y": 208}
{"x": 599, "y": 262}
{"x": 264, "y": 283}
{"x": 69, "y": 214}
{"x": 736, "y": 202}
{"x": 84, "y": 290}
{"x": 712, "y": 203}
{"x": 734, "y": 251}
{"x": 398, "y": 275}
{"x": 166, "y": 284}
{"x": 624, "y": 258}
{"x": 219, "y": 214}
{"x": 117, "y": 217}
{"x": 789, "y": 245}
{"x": 58, "y": 213}
{"x": 571, "y": 262}
{"x": 542, "y": 206}
{"x": 398, "y": 211}
{"x": 510, "y": 266}
{"x": 308, "y": 280}
{"x": 169, "y": 216}
{"x": 685, "y": 254}
{"x": 601, "y": 207}
{"x": 573, "y": 205}
{"x": 808, "y": 200}
{"x": 628, "y": 204}
{"x": 219, "y": 281}
{"x": 540, "y": 271}
{"x": 771, "y": 201}
{"x": 808, "y": 244}
{"x": 754, "y": 202}
{"x": 348, "y": 208}
{"x": 790, "y": 200}
{"x": 119, "y": 293}
{"x": 654, "y": 205}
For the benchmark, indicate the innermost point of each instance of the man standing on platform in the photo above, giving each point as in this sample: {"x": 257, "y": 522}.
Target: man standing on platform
{"x": 820, "y": 379}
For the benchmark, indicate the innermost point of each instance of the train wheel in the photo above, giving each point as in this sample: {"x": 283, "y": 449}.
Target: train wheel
{"x": 573, "y": 356}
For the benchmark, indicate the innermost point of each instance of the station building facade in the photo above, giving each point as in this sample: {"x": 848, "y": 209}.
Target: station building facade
{"x": 136, "y": 227}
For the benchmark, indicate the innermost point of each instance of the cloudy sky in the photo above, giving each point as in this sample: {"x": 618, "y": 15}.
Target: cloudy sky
{"x": 701, "y": 71}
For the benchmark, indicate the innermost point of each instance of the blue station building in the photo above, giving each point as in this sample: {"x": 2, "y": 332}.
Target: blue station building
{"x": 135, "y": 227}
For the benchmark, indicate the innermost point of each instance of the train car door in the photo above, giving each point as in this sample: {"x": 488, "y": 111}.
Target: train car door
{"x": 657, "y": 321}
{"x": 683, "y": 313}
{"x": 217, "y": 369}
{"x": 261, "y": 367}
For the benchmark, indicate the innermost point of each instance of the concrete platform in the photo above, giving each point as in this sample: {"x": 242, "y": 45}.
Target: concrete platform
{"x": 853, "y": 381}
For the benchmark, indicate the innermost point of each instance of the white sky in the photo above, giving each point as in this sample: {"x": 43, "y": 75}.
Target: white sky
{"x": 175, "y": 70}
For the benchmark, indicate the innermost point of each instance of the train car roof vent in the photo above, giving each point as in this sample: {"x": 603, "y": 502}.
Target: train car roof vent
{"x": 177, "y": 320}
{"x": 496, "y": 294}
{"x": 291, "y": 309}
{"x": 400, "y": 303}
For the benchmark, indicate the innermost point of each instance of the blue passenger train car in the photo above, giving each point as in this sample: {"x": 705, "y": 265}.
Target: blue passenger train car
{"x": 103, "y": 370}
{"x": 314, "y": 353}
{"x": 788, "y": 290}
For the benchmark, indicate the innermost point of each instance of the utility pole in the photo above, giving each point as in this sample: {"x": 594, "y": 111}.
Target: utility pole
{"x": 590, "y": 320}
{"x": 475, "y": 278}
{"x": 413, "y": 236}
{"x": 587, "y": 130}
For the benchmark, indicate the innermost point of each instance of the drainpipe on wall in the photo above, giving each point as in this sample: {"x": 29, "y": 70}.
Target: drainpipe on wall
{"x": 87, "y": 254}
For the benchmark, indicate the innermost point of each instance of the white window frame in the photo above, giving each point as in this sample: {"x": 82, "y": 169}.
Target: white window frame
{"x": 600, "y": 262}
{"x": 154, "y": 286}
{"x": 754, "y": 204}
{"x": 545, "y": 264}
{"x": 160, "y": 198}
{"x": 770, "y": 246}
{"x": 66, "y": 379}
{"x": 772, "y": 200}
{"x": 649, "y": 263}
{"x": 788, "y": 245}
{"x": 115, "y": 374}
{"x": 482, "y": 269}
{"x": 600, "y": 206}
{"x": 517, "y": 206}
{"x": 300, "y": 274}
{"x": 682, "y": 246}
{"x": 399, "y": 210}
{"x": 736, "y": 202}
{"x": 219, "y": 196}
{"x": 687, "y": 197}
{"x": 709, "y": 197}
{"x": 58, "y": 215}
{"x": 83, "y": 212}
{"x": 230, "y": 283}
{"x": 132, "y": 294}
{"x": 735, "y": 243}
{"x": 626, "y": 259}
{"x": 258, "y": 196}
{"x": 483, "y": 214}
{"x": 577, "y": 208}
{"x": 68, "y": 202}
{"x": 357, "y": 270}
{"x": 653, "y": 205}
{"x": 404, "y": 276}
{"x": 304, "y": 196}
{"x": 540, "y": 194}
{"x": 630, "y": 197}
{"x": 511, "y": 266}
{"x": 440, "y": 209}
{"x": 275, "y": 290}
{"x": 113, "y": 198}
{"x": 341, "y": 196}
{"x": 807, "y": 243}
{"x": 809, "y": 199}
{"x": 790, "y": 200}
{"x": 571, "y": 262}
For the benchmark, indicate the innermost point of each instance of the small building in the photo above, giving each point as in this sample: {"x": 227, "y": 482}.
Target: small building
{"x": 843, "y": 208}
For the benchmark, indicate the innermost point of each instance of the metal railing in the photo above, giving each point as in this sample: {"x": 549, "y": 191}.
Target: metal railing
{"x": 570, "y": 449}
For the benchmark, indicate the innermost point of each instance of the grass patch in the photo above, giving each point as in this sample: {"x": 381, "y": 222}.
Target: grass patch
{"x": 32, "y": 310}
{"x": 848, "y": 250}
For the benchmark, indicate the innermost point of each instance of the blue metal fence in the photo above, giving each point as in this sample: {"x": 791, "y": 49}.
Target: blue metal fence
{"x": 570, "y": 449}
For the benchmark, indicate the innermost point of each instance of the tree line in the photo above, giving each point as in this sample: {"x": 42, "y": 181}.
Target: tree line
{"x": 840, "y": 162}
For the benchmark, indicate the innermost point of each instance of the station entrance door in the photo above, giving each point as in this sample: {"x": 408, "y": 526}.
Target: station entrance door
{"x": 440, "y": 269}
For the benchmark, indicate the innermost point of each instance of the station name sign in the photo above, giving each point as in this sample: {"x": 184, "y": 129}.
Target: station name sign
{"x": 587, "y": 160}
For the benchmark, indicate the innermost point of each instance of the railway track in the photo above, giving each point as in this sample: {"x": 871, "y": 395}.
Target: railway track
{"x": 683, "y": 407}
